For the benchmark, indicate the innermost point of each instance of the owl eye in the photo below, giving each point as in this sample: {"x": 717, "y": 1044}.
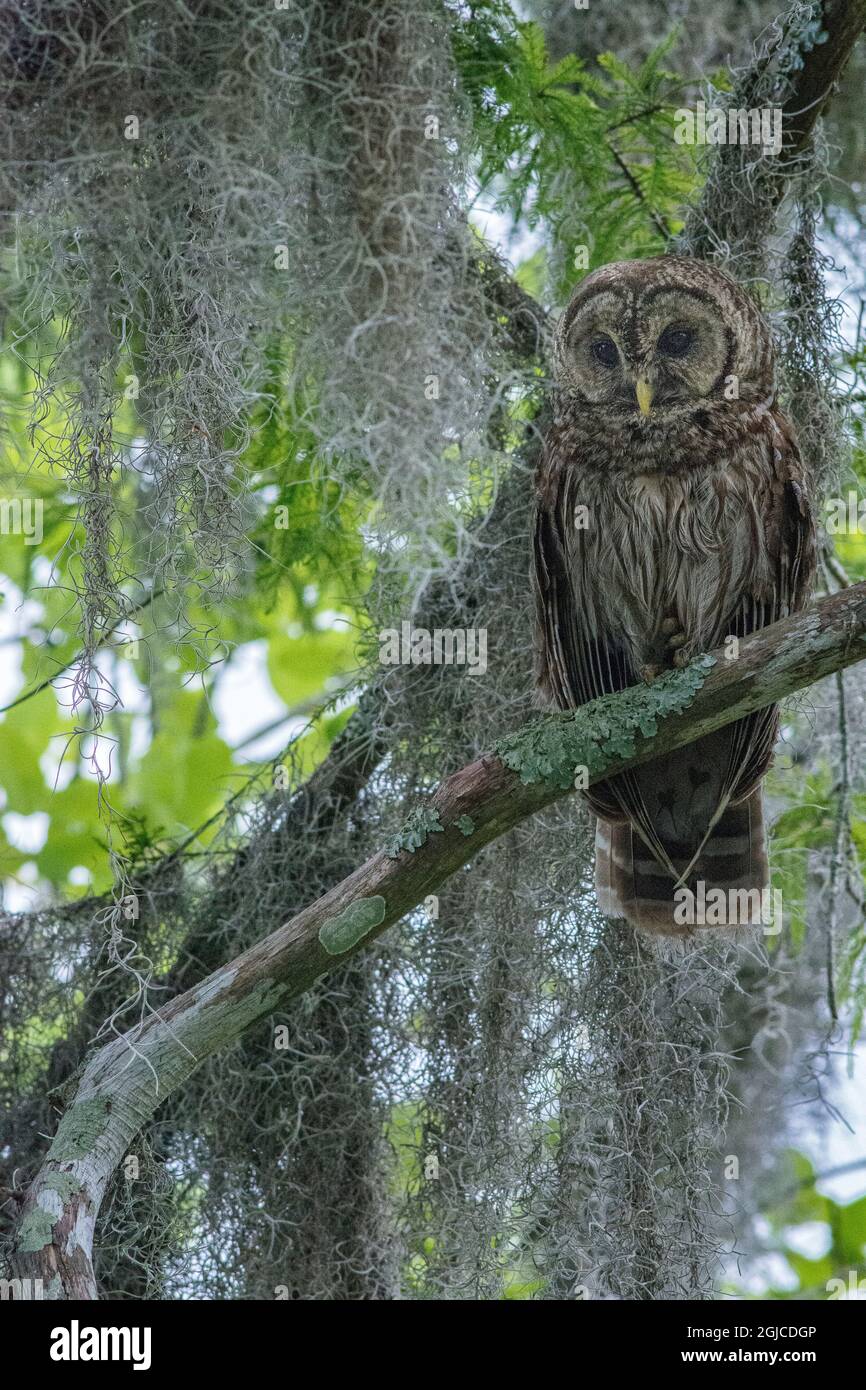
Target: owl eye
{"x": 675, "y": 342}
{"x": 604, "y": 351}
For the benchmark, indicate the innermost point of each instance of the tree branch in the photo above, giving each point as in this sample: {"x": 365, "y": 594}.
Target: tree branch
{"x": 122, "y": 1085}
{"x": 735, "y": 215}
{"x": 822, "y": 66}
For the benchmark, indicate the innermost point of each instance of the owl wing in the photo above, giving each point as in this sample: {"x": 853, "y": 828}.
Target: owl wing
{"x": 573, "y": 664}
{"x": 791, "y": 552}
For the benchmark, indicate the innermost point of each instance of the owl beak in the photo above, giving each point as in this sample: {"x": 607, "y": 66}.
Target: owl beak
{"x": 644, "y": 393}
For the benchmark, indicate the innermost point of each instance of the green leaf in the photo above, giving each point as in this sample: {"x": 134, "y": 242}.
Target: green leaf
{"x": 300, "y": 667}
{"x": 185, "y": 774}
{"x": 25, "y": 735}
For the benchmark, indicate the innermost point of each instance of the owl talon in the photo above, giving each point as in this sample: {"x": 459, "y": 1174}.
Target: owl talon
{"x": 682, "y": 658}
{"x": 649, "y": 672}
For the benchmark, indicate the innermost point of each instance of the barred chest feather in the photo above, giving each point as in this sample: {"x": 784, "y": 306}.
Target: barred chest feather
{"x": 687, "y": 544}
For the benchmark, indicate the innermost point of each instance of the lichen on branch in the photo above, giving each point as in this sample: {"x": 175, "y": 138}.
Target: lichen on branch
{"x": 552, "y": 750}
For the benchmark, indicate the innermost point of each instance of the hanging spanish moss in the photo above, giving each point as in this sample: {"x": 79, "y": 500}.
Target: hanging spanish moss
{"x": 507, "y": 1096}
{"x": 184, "y": 185}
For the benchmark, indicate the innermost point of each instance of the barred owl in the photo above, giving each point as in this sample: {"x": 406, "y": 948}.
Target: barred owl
{"x": 672, "y": 513}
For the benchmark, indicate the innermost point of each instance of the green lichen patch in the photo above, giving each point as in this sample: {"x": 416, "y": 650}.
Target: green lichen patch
{"x": 37, "y": 1226}
{"x": 64, "y": 1184}
{"x": 466, "y": 826}
{"x": 550, "y": 749}
{"x": 341, "y": 933}
{"x": 35, "y": 1230}
{"x": 80, "y": 1128}
{"x": 422, "y": 823}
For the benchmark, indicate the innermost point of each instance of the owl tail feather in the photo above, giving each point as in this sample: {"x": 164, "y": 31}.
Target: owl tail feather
{"x": 630, "y": 882}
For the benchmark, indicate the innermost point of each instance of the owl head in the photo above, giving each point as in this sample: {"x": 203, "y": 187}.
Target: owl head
{"x": 650, "y": 341}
